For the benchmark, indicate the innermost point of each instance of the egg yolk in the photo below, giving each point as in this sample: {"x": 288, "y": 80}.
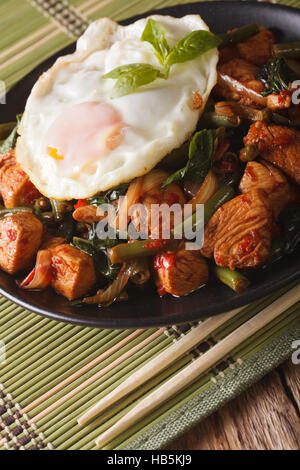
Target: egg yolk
{"x": 84, "y": 133}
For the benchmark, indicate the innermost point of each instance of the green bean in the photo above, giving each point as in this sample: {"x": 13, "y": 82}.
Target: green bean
{"x": 137, "y": 249}
{"x": 223, "y": 195}
{"x": 60, "y": 208}
{"x": 214, "y": 120}
{"x": 288, "y": 50}
{"x": 15, "y": 210}
{"x": 6, "y": 129}
{"x": 233, "y": 279}
{"x": 284, "y": 121}
{"x": 238, "y": 35}
{"x": 249, "y": 153}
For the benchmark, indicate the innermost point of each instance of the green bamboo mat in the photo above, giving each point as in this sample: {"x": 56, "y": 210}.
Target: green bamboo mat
{"x": 41, "y": 354}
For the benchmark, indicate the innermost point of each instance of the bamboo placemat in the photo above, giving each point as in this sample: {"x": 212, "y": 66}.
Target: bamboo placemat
{"x": 81, "y": 365}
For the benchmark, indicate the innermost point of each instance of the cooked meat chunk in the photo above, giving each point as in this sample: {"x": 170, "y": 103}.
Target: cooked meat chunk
{"x": 258, "y": 48}
{"x": 228, "y": 53}
{"x": 20, "y": 238}
{"x": 180, "y": 273}
{"x": 239, "y": 69}
{"x": 281, "y": 100}
{"x": 244, "y": 73}
{"x": 172, "y": 194}
{"x": 15, "y": 186}
{"x": 239, "y": 234}
{"x": 267, "y": 177}
{"x": 277, "y": 144}
{"x": 88, "y": 214}
{"x": 73, "y": 272}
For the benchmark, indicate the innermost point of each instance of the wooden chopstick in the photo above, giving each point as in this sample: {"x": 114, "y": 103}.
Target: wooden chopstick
{"x": 97, "y": 376}
{"x": 200, "y": 365}
{"x": 183, "y": 345}
{"x": 82, "y": 371}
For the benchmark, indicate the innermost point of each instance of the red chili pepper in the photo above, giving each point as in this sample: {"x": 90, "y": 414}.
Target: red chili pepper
{"x": 249, "y": 242}
{"x": 11, "y": 235}
{"x": 161, "y": 291}
{"x": 157, "y": 244}
{"x": 250, "y": 173}
{"x": 174, "y": 199}
{"x": 81, "y": 203}
{"x": 28, "y": 279}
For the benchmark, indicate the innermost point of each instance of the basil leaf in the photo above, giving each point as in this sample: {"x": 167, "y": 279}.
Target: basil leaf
{"x": 131, "y": 77}
{"x": 276, "y": 76}
{"x": 10, "y": 142}
{"x": 155, "y": 34}
{"x": 201, "y": 152}
{"x": 192, "y": 46}
{"x": 108, "y": 196}
{"x": 123, "y": 70}
{"x": 98, "y": 253}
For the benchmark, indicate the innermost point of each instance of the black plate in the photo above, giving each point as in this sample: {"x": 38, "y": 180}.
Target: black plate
{"x": 147, "y": 309}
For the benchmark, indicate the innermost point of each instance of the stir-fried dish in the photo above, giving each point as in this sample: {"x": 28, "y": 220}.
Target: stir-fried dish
{"x": 192, "y": 119}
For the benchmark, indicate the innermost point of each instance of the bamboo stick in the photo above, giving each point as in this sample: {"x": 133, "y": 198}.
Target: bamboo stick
{"x": 81, "y": 371}
{"x": 60, "y": 370}
{"x": 200, "y": 365}
{"x": 96, "y": 376}
{"x": 182, "y": 346}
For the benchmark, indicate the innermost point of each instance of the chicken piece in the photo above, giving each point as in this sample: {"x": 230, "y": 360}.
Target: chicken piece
{"x": 280, "y": 100}
{"x": 20, "y": 237}
{"x": 15, "y": 186}
{"x": 267, "y": 177}
{"x": 88, "y": 214}
{"x": 243, "y": 72}
{"x": 258, "y": 48}
{"x": 228, "y": 53}
{"x": 279, "y": 145}
{"x": 180, "y": 273}
{"x": 73, "y": 272}
{"x": 239, "y": 234}
{"x": 170, "y": 195}
{"x": 239, "y": 69}
{"x": 7, "y": 158}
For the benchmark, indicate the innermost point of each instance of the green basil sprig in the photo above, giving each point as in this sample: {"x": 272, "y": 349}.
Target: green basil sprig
{"x": 192, "y": 46}
{"x": 155, "y": 34}
{"x": 133, "y": 76}
{"x": 200, "y": 160}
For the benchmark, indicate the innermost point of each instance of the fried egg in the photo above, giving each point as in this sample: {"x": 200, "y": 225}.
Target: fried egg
{"x": 76, "y": 141}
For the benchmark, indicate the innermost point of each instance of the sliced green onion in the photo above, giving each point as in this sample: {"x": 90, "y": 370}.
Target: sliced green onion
{"x": 289, "y": 50}
{"x": 239, "y": 35}
{"x": 233, "y": 279}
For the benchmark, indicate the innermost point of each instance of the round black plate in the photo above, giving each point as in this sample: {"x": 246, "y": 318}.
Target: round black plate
{"x": 146, "y": 309}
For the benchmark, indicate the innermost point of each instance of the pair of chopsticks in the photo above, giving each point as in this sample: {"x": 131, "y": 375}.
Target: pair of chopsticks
{"x": 189, "y": 373}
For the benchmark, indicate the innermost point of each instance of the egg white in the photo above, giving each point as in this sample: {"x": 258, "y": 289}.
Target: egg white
{"x": 159, "y": 117}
